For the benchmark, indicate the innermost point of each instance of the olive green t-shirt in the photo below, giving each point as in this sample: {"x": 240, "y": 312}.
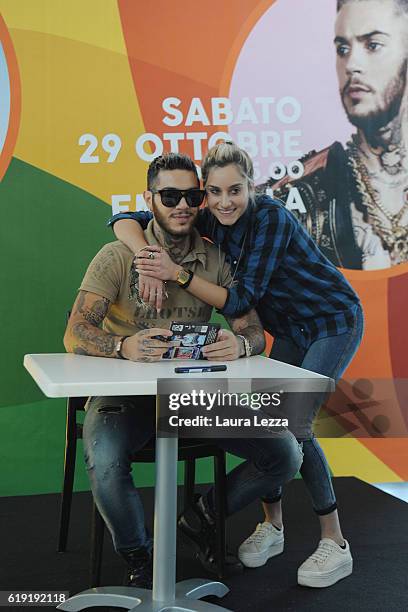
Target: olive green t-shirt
{"x": 112, "y": 276}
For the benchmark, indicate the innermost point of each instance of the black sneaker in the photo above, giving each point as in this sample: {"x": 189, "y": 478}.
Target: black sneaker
{"x": 198, "y": 528}
{"x": 140, "y": 568}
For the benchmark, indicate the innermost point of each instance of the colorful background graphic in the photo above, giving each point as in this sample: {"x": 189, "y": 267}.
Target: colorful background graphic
{"x": 93, "y": 78}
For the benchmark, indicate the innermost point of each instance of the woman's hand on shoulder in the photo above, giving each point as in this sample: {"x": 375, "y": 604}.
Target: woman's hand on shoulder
{"x": 154, "y": 261}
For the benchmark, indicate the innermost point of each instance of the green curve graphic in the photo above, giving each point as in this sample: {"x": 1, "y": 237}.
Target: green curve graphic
{"x": 50, "y": 231}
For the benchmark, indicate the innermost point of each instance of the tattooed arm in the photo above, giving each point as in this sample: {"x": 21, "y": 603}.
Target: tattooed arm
{"x": 229, "y": 346}
{"x": 249, "y": 326}
{"x": 84, "y": 336}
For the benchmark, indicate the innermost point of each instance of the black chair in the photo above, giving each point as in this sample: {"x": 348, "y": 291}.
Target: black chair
{"x": 189, "y": 451}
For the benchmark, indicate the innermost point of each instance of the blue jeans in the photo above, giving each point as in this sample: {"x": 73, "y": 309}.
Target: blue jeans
{"x": 330, "y": 357}
{"x": 116, "y": 427}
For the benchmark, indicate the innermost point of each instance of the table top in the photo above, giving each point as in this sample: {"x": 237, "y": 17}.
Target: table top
{"x": 69, "y": 375}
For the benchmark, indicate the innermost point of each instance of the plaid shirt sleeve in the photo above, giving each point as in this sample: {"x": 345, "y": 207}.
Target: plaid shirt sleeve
{"x": 269, "y": 240}
{"x": 142, "y": 217}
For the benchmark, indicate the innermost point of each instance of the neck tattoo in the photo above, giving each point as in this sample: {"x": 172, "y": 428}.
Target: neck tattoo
{"x": 386, "y": 145}
{"x": 176, "y": 246}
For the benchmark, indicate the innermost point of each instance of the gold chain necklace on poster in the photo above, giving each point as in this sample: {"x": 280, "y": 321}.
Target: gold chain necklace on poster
{"x": 395, "y": 238}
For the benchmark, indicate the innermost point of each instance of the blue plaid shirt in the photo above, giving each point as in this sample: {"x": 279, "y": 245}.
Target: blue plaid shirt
{"x": 297, "y": 292}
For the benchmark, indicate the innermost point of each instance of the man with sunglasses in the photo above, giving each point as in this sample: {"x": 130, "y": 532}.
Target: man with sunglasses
{"x": 109, "y": 319}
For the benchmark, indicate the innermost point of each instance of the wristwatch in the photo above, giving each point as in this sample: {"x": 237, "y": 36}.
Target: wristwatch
{"x": 118, "y": 347}
{"x": 184, "y": 278}
{"x": 247, "y": 346}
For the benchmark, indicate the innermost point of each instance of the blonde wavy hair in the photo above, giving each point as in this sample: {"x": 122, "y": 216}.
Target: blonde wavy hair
{"x": 225, "y": 153}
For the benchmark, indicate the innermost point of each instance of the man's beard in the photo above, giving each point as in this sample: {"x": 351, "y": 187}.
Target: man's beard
{"x": 162, "y": 221}
{"x": 377, "y": 119}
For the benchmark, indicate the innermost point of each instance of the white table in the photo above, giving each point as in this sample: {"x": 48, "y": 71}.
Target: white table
{"x": 68, "y": 375}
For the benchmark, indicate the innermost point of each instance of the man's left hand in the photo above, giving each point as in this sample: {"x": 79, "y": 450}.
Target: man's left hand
{"x": 226, "y": 348}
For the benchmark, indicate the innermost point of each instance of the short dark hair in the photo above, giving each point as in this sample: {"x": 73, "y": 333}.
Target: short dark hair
{"x": 169, "y": 161}
{"x": 400, "y": 5}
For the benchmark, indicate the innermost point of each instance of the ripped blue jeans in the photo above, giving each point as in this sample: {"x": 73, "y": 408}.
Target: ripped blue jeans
{"x": 117, "y": 427}
{"x": 330, "y": 357}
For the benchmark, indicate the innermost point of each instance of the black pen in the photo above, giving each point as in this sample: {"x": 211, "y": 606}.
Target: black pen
{"x": 194, "y": 369}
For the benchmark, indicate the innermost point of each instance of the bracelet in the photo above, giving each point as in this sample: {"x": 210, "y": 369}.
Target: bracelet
{"x": 247, "y": 346}
{"x": 118, "y": 347}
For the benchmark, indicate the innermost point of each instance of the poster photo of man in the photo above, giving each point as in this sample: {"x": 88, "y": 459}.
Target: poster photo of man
{"x": 353, "y": 193}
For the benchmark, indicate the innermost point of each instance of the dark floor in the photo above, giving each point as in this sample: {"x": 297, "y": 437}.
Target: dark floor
{"x": 375, "y": 523}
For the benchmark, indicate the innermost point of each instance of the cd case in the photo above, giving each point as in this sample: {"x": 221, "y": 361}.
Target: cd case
{"x": 189, "y": 338}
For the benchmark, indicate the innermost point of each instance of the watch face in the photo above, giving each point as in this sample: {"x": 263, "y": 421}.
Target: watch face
{"x": 183, "y": 277}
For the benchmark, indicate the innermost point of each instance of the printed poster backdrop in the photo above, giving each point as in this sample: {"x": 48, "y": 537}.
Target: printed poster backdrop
{"x": 92, "y": 92}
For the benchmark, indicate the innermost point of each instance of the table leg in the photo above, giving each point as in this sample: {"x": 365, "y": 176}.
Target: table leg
{"x": 165, "y": 518}
{"x": 166, "y": 596}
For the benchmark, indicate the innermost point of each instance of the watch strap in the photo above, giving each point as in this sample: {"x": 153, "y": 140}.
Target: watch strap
{"x": 189, "y": 280}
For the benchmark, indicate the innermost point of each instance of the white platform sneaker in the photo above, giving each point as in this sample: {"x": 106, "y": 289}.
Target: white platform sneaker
{"x": 265, "y": 542}
{"x": 327, "y": 565}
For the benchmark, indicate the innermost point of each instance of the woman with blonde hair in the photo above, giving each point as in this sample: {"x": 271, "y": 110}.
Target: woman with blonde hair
{"x": 303, "y": 301}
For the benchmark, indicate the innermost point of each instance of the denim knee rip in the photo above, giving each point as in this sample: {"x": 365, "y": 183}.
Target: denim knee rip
{"x": 107, "y": 468}
{"x": 112, "y": 409}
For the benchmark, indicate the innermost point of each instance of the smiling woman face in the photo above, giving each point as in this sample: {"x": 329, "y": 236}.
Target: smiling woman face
{"x": 227, "y": 193}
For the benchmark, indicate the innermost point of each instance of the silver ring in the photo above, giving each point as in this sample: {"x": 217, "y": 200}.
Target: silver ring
{"x": 151, "y": 255}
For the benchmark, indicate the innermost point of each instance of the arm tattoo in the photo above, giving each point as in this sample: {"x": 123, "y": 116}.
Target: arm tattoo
{"x": 96, "y": 339}
{"x": 80, "y": 302}
{"x": 249, "y": 326}
{"x": 96, "y": 313}
{"x": 84, "y": 335}
{"x": 79, "y": 350}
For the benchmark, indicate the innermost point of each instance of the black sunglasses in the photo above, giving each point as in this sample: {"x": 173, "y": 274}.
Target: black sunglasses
{"x": 171, "y": 197}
